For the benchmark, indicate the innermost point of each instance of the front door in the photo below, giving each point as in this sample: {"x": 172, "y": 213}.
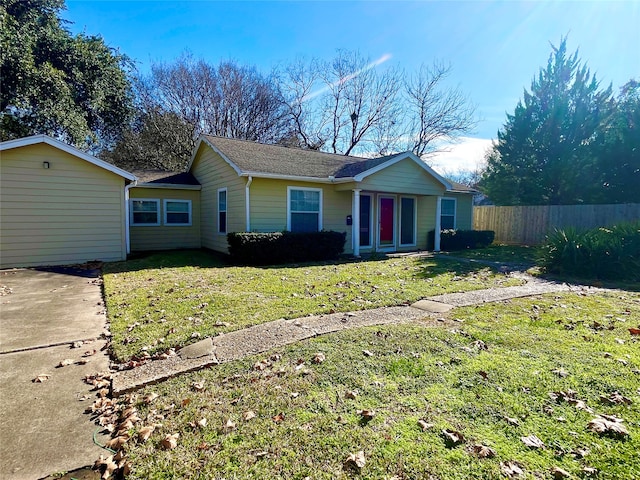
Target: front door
{"x": 386, "y": 223}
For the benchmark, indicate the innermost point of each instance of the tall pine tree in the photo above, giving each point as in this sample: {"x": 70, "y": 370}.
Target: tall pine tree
{"x": 545, "y": 153}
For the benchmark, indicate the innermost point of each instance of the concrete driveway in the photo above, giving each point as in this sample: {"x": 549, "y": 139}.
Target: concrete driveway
{"x": 43, "y": 427}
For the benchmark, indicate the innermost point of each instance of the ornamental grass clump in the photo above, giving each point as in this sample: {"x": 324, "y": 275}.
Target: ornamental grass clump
{"x": 611, "y": 253}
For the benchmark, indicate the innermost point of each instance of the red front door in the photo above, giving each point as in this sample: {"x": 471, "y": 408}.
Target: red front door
{"x": 387, "y": 211}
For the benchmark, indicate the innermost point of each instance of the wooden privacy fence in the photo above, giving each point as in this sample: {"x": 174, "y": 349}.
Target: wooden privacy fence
{"x": 528, "y": 225}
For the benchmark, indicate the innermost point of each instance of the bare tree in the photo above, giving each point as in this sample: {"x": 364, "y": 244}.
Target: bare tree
{"x": 434, "y": 112}
{"x": 350, "y": 104}
{"x": 186, "y": 98}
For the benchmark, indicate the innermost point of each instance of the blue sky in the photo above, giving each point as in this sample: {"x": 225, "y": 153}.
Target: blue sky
{"x": 495, "y": 47}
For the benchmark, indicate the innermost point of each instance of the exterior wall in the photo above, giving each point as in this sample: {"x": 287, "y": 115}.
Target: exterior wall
{"x": 269, "y": 206}
{"x": 403, "y": 177}
{"x": 166, "y": 237}
{"x": 72, "y": 212}
{"x": 213, "y": 173}
{"x": 464, "y": 210}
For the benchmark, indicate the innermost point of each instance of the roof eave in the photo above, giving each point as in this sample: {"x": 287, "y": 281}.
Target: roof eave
{"x": 174, "y": 186}
{"x": 298, "y": 178}
{"x": 35, "y": 139}
{"x": 204, "y": 139}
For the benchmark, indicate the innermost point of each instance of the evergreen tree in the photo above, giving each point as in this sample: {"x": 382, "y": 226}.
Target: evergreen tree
{"x": 546, "y": 152}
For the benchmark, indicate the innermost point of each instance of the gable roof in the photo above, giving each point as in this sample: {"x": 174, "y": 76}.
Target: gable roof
{"x": 249, "y": 158}
{"x": 35, "y": 139}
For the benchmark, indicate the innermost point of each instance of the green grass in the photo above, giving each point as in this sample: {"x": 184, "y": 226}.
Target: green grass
{"x": 415, "y": 373}
{"x": 502, "y": 253}
{"x": 168, "y": 299}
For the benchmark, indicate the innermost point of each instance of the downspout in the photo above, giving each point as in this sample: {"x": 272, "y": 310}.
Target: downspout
{"x": 127, "y": 222}
{"x": 247, "y": 204}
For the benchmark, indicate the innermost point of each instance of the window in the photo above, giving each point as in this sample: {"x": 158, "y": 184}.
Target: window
{"x": 177, "y": 212}
{"x": 365, "y": 220}
{"x": 447, "y": 213}
{"x": 407, "y": 221}
{"x": 304, "y": 209}
{"x": 222, "y": 210}
{"x": 145, "y": 212}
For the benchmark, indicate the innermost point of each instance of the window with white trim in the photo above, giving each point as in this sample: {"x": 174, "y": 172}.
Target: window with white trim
{"x": 145, "y": 211}
{"x": 304, "y": 209}
{"x": 177, "y": 212}
{"x": 407, "y": 221}
{"x": 447, "y": 213}
{"x": 222, "y": 210}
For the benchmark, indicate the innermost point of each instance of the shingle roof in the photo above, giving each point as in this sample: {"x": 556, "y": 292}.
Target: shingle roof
{"x": 162, "y": 177}
{"x": 252, "y": 157}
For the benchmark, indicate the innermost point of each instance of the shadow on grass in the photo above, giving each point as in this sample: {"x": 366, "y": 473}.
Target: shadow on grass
{"x": 203, "y": 258}
{"x": 629, "y": 286}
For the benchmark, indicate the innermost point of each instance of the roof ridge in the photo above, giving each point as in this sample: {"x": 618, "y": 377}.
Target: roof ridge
{"x": 340, "y": 155}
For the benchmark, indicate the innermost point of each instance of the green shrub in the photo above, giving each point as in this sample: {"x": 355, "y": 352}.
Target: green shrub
{"x": 284, "y": 247}
{"x": 461, "y": 239}
{"x": 611, "y": 253}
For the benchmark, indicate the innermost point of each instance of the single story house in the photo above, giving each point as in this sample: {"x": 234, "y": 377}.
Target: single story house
{"x": 60, "y": 205}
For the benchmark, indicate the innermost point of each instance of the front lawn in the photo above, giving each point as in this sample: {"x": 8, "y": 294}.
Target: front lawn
{"x": 501, "y": 373}
{"x": 171, "y": 299}
{"x": 516, "y": 254}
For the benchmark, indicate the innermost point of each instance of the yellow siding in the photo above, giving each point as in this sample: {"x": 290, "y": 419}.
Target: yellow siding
{"x": 166, "y": 237}
{"x": 72, "y": 212}
{"x": 269, "y": 206}
{"x": 403, "y": 177}
{"x": 213, "y": 173}
{"x": 464, "y": 211}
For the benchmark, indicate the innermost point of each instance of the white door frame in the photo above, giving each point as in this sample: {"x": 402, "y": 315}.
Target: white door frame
{"x": 393, "y": 246}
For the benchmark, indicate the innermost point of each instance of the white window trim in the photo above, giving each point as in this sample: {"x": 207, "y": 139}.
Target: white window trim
{"x": 394, "y": 245}
{"x": 371, "y": 221}
{"x": 289, "y": 188}
{"x": 172, "y": 200}
{"x": 455, "y": 211}
{"x": 131, "y": 212}
{"x": 226, "y": 210}
{"x": 415, "y": 221}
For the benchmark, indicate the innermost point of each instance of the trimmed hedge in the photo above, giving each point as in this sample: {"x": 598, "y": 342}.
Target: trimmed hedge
{"x": 461, "y": 239}
{"x": 611, "y": 253}
{"x": 284, "y": 247}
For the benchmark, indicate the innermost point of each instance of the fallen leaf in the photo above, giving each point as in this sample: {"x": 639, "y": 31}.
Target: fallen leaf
{"x": 202, "y": 422}
{"x": 77, "y": 344}
{"x": 229, "y": 425}
{"x": 117, "y": 442}
{"x": 65, "y": 362}
{"x": 367, "y": 415}
{"x": 590, "y": 471}
{"x": 511, "y": 421}
{"x": 261, "y": 454}
{"x": 559, "y": 473}
{"x": 452, "y": 437}
{"x": 89, "y": 353}
{"x": 355, "y": 460}
{"x": 278, "y": 418}
{"x": 615, "y": 399}
{"x": 532, "y": 441}
{"x": 608, "y": 424}
{"x": 185, "y": 402}
{"x": 512, "y": 469}
{"x": 367, "y": 353}
{"x": 43, "y": 377}
{"x": 634, "y": 331}
{"x": 319, "y": 358}
{"x": 351, "y": 394}
{"x": 170, "y": 441}
{"x": 561, "y": 372}
{"x": 198, "y": 386}
{"x": 150, "y": 397}
{"x": 483, "y": 374}
{"x": 483, "y": 451}
{"x": 580, "y": 452}
{"x": 249, "y": 415}
{"x": 145, "y": 433}
{"x": 425, "y": 425}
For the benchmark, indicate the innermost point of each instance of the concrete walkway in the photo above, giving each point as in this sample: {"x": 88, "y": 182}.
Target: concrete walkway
{"x": 43, "y": 427}
{"x": 264, "y": 337}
